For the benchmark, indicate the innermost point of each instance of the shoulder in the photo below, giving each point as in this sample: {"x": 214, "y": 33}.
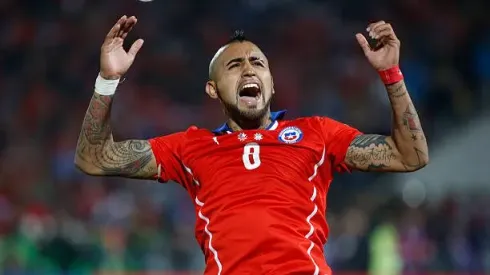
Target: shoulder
{"x": 325, "y": 126}
{"x": 194, "y": 132}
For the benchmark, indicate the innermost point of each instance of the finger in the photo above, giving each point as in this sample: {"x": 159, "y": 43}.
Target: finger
{"x": 363, "y": 43}
{"x": 125, "y": 34}
{"x": 385, "y": 34}
{"x": 123, "y": 25}
{"x": 133, "y": 19}
{"x": 115, "y": 29}
{"x": 127, "y": 23}
{"x": 381, "y": 27}
{"x": 383, "y": 31}
{"x": 135, "y": 48}
{"x": 374, "y": 25}
{"x": 129, "y": 27}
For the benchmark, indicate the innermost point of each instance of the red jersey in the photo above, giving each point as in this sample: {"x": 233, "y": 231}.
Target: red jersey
{"x": 260, "y": 195}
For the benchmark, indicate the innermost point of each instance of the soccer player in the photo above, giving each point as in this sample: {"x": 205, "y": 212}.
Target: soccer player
{"x": 259, "y": 182}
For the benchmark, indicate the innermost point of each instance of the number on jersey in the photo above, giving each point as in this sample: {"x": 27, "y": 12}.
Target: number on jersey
{"x": 251, "y": 156}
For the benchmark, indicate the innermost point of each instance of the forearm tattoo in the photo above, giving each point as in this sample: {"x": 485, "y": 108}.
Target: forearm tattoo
{"x": 411, "y": 123}
{"x": 397, "y": 90}
{"x": 131, "y": 158}
{"x": 408, "y": 117}
{"x": 406, "y": 149}
{"x": 370, "y": 152}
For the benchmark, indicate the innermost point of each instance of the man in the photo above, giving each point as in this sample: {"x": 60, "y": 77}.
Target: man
{"x": 258, "y": 182}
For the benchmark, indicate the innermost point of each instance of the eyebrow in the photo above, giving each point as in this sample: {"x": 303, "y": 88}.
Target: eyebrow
{"x": 240, "y": 59}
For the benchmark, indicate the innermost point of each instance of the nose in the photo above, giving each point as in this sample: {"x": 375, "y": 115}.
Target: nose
{"x": 248, "y": 71}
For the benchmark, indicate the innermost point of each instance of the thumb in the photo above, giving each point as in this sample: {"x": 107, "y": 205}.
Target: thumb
{"x": 136, "y": 47}
{"x": 363, "y": 43}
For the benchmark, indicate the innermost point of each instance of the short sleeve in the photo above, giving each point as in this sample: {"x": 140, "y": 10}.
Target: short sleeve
{"x": 338, "y": 136}
{"x": 167, "y": 151}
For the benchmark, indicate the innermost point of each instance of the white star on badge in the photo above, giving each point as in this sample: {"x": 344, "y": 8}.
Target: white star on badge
{"x": 258, "y": 136}
{"x": 242, "y": 136}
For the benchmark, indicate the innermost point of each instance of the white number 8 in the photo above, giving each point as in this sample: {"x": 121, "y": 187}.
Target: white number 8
{"x": 251, "y": 156}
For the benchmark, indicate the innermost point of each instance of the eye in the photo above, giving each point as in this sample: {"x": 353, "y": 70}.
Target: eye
{"x": 234, "y": 65}
{"x": 258, "y": 63}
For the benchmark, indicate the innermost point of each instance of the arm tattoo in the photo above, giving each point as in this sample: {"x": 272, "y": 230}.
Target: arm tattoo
{"x": 127, "y": 158}
{"x": 95, "y": 127}
{"x": 404, "y": 151}
{"x": 370, "y": 153}
{"x": 397, "y": 90}
{"x": 411, "y": 120}
{"x": 97, "y": 149}
{"x": 408, "y": 134}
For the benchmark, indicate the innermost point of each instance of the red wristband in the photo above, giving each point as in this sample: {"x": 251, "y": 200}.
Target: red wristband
{"x": 391, "y": 75}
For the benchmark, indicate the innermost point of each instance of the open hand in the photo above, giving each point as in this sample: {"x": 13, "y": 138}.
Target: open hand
{"x": 387, "y": 54}
{"x": 114, "y": 60}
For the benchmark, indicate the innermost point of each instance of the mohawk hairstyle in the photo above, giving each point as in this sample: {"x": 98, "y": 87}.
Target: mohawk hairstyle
{"x": 238, "y": 36}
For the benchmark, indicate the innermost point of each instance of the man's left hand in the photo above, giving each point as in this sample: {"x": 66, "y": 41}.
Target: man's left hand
{"x": 387, "y": 54}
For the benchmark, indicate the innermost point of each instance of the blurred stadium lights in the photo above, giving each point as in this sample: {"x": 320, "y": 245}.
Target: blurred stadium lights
{"x": 414, "y": 193}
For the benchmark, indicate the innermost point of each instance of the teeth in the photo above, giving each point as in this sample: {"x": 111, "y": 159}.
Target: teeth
{"x": 251, "y": 85}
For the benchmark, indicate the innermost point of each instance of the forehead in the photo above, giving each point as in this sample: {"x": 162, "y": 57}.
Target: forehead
{"x": 239, "y": 50}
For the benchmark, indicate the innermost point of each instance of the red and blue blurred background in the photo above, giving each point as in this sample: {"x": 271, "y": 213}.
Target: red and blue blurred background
{"x": 55, "y": 220}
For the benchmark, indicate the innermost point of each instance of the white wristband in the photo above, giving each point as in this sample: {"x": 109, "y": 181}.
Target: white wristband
{"x": 105, "y": 86}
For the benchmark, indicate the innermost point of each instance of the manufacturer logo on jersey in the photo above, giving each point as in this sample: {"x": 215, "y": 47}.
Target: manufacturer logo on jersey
{"x": 290, "y": 135}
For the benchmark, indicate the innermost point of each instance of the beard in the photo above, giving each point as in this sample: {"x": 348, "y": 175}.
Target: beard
{"x": 247, "y": 116}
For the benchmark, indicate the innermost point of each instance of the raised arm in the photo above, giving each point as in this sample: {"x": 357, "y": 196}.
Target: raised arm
{"x": 406, "y": 149}
{"x": 97, "y": 153}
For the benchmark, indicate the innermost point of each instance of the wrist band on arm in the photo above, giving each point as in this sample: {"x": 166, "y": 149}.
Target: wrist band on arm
{"x": 105, "y": 86}
{"x": 391, "y": 75}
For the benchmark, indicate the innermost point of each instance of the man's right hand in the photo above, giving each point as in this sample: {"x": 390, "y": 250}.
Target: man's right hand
{"x": 114, "y": 60}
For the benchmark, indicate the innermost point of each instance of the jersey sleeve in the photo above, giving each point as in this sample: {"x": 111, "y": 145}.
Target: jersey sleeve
{"x": 167, "y": 151}
{"x": 338, "y": 136}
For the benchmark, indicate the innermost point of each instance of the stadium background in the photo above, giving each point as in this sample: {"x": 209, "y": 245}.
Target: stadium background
{"x": 55, "y": 220}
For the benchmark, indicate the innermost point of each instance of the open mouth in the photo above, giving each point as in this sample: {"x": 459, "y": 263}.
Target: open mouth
{"x": 250, "y": 91}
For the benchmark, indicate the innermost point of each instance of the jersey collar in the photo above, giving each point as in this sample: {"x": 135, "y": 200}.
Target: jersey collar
{"x": 275, "y": 116}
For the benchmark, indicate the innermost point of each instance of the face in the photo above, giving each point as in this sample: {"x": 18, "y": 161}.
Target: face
{"x": 242, "y": 81}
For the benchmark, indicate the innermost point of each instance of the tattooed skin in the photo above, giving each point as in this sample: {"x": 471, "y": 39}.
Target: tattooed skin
{"x": 98, "y": 154}
{"x": 410, "y": 120}
{"x": 373, "y": 150}
{"x": 404, "y": 151}
{"x": 370, "y": 152}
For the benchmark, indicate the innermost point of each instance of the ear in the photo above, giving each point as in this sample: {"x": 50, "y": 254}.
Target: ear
{"x": 211, "y": 89}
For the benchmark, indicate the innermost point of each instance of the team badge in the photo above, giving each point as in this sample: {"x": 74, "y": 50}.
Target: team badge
{"x": 258, "y": 136}
{"x": 290, "y": 135}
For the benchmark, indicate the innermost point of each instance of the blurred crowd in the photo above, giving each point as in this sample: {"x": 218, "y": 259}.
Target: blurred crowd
{"x": 54, "y": 219}
{"x": 391, "y": 238}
